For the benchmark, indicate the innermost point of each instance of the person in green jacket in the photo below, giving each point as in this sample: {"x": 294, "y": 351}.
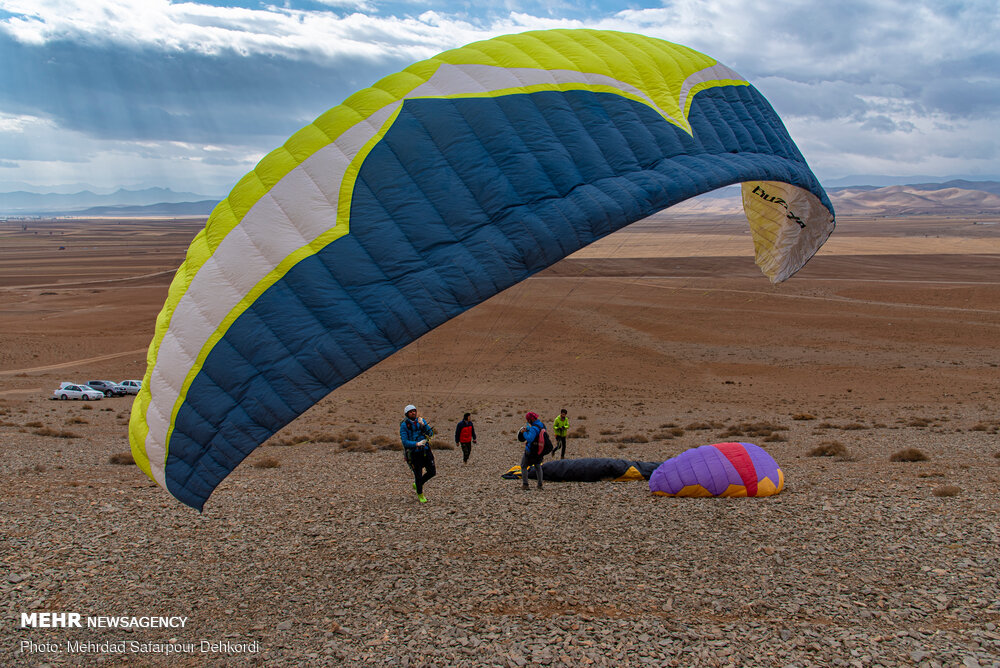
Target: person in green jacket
{"x": 560, "y": 426}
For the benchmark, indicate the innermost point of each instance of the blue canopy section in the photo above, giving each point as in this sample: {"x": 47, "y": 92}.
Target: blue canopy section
{"x": 462, "y": 199}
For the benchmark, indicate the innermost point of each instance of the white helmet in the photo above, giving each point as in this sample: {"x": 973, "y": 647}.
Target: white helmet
{"x": 409, "y": 408}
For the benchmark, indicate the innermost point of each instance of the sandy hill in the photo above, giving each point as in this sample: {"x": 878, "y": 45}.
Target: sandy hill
{"x": 888, "y": 201}
{"x": 899, "y": 200}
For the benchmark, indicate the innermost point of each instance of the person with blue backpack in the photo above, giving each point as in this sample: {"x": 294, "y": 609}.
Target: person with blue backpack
{"x": 537, "y": 444}
{"x": 415, "y": 434}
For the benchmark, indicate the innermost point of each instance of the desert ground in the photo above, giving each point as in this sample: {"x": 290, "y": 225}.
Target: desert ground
{"x": 660, "y": 338}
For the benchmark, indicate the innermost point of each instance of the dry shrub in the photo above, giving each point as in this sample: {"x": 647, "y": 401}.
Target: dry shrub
{"x": 996, "y": 455}
{"x": 919, "y": 422}
{"x": 803, "y": 416}
{"x": 121, "y": 458}
{"x": 341, "y": 438}
{"x": 775, "y": 438}
{"x": 39, "y": 468}
{"x": 86, "y": 407}
{"x": 581, "y": 417}
{"x": 357, "y": 446}
{"x": 55, "y": 433}
{"x": 755, "y": 429}
{"x": 829, "y": 449}
{"x": 946, "y": 490}
{"x": 34, "y": 425}
{"x": 442, "y": 445}
{"x": 853, "y": 426}
{"x": 579, "y": 432}
{"x": 77, "y": 420}
{"x": 702, "y": 426}
{"x": 608, "y": 432}
{"x": 633, "y": 438}
{"x": 293, "y": 440}
{"x": 266, "y": 463}
{"x": 908, "y": 455}
{"x": 386, "y": 443}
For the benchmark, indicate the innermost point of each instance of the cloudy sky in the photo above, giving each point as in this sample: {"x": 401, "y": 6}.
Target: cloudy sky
{"x": 190, "y": 95}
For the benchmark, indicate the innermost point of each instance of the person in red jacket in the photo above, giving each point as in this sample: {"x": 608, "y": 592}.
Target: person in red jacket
{"x": 465, "y": 436}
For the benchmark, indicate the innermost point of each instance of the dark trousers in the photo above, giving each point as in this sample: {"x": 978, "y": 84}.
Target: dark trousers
{"x": 560, "y": 443}
{"x": 421, "y": 462}
{"x": 528, "y": 461}
{"x": 466, "y": 451}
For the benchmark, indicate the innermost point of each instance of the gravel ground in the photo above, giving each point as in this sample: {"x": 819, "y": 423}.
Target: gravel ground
{"x": 325, "y": 558}
{"x": 328, "y": 559}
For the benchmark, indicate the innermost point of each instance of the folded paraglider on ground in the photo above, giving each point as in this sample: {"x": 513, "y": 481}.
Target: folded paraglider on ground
{"x": 722, "y": 469}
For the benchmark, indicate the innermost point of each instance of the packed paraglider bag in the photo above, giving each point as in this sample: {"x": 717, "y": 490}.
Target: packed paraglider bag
{"x": 543, "y": 443}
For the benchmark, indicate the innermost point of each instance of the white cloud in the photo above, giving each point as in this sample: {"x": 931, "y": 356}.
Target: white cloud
{"x": 902, "y": 145}
{"x": 22, "y": 123}
{"x": 44, "y": 153}
{"x": 801, "y": 40}
{"x": 205, "y": 29}
{"x": 862, "y": 86}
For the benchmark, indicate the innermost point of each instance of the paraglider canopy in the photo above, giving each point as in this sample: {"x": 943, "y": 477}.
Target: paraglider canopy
{"x": 428, "y": 193}
{"x": 721, "y": 469}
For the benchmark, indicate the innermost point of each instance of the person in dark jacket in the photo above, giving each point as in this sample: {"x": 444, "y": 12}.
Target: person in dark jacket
{"x": 465, "y": 436}
{"x": 530, "y": 434}
{"x": 414, "y": 432}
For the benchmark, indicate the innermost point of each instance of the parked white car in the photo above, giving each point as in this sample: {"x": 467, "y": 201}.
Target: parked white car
{"x": 71, "y": 391}
{"x": 131, "y": 386}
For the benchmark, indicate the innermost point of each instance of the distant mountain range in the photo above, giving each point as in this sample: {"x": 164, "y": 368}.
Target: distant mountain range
{"x": 961, "y": 184}
{"x": 952, "y": 197}
{"x": 24, "y": 203}
{"x": 958, "y": 196}
{"x": 162, "y": 210}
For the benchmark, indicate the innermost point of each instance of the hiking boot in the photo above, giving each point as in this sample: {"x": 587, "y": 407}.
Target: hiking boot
{"x": 421, "y": 498}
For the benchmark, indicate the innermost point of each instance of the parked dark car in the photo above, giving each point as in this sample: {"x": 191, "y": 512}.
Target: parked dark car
{"x": 108, "y": 387}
